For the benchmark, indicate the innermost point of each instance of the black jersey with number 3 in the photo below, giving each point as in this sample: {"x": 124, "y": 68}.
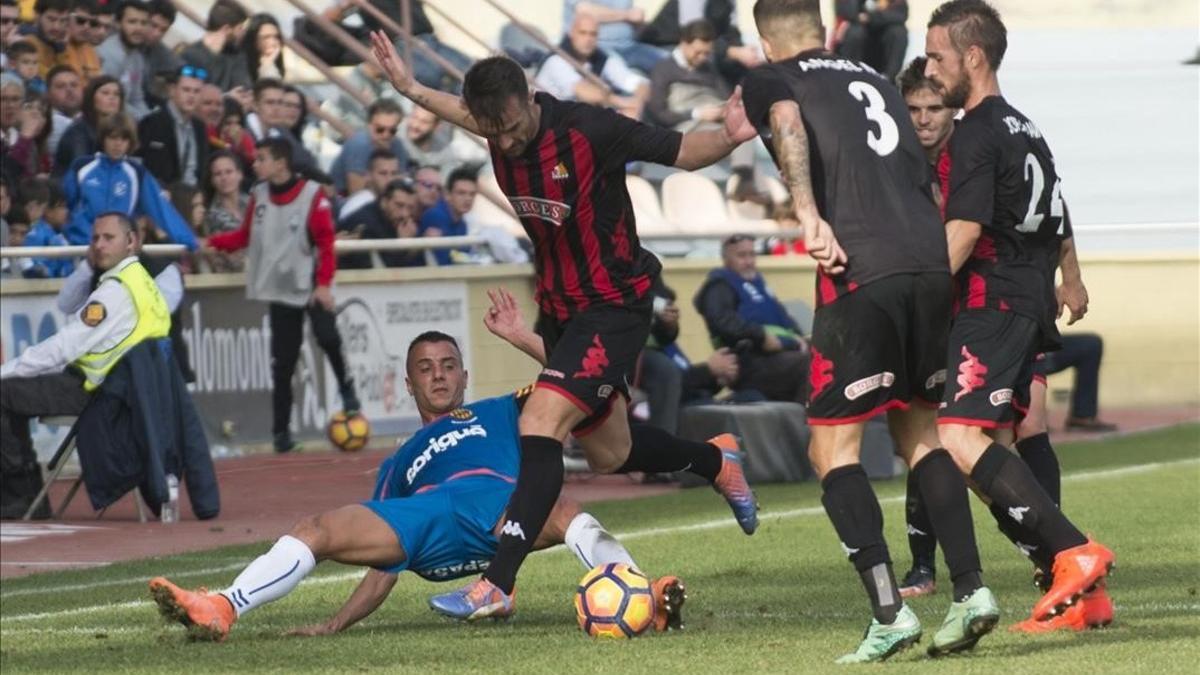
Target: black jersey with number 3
{"x": 869, "y": 173}
{"x": 1002, "y": 176}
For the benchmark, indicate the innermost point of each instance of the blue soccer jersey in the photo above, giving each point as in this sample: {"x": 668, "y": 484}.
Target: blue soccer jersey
{"x": 478, "y": 439}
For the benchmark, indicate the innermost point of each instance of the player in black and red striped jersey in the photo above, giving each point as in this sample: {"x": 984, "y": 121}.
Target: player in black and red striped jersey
{"x": 1007, "y": 230}
{"x": 864, "y": 196}
{"x": 562, "y": 166}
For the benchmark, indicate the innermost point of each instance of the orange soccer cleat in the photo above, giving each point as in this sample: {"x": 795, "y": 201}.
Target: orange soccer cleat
{"x": 731, "y": 483}
{"x": 1094, "y": 610}
{"x": 669, "y": 594}
{"x": 207, "y": 616}
{"x": 1075, "y": 571}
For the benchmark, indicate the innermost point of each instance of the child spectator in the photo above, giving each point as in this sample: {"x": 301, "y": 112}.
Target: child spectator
{"x": 23, "y": 60}
{"x": 48, "y": 231}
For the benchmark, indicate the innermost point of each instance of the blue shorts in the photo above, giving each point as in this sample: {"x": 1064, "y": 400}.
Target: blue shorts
{"x": 449, "y": 531}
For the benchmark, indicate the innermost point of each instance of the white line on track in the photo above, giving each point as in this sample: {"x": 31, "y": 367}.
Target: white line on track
{"x": 637, "y": 534}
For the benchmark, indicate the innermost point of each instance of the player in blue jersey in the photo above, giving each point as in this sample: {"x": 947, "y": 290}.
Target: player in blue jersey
{"x": 436, "y": 510}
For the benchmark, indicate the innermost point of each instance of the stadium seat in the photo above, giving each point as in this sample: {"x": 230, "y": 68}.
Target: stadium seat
{"x": 492, "y": 208}
{"x": 646, "y": 209}
{"x": 694, "y": 204}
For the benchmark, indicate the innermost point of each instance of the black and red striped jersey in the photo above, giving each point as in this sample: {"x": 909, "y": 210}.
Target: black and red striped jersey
{"x": 1002, "y": 176}
{"x": 568, "y": 189}
{"x": 870, "y": 178}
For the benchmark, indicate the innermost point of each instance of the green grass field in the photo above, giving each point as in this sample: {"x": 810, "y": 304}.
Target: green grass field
{"x": 784, "y": 600}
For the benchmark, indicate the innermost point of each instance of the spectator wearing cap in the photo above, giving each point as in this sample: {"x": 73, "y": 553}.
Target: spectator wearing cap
{"x": 160, "y": 60}
{"x": 429, "y": 141}
{"x": 559, "y": 78}
{"x": 80, "y": 53}
{"x": 49, "y": 32}
{"x": 217, "y": 51}
{"x": 121, "y": 56}
{"x": 447, "y": 218}
{"x": 64, "y": 95}
{"x": 174, "y": 143}
{"x": 349, "y": 170}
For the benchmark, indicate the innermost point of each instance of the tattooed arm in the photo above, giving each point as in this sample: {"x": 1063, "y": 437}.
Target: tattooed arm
{"x": 446, "y": 106}
{"x": 791, "y": 152}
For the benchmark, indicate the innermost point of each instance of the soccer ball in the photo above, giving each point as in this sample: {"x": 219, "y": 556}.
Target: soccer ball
{"x": 614, "y": 601}
{"x": 349, "y": 433}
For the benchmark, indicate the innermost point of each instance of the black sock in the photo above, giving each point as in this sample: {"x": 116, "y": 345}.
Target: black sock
{"x": 945, "y": 494}
{"x": 655, "y": 450}
{"x": 921, "y": 540}
{"x": 1025, "y": 539}
{"x": 858, "y": 521}
{"x": 1009, "y": 483}
{"x": 1039, "y": 455}
{"x": 538, "y": 485}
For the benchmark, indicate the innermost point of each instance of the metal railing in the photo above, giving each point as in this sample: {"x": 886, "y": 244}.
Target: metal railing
{"x": 339, "y": 246}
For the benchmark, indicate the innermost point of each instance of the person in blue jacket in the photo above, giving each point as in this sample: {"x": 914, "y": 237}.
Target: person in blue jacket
{"x": 48, "y": 231}
{"x": 111, "y": 181}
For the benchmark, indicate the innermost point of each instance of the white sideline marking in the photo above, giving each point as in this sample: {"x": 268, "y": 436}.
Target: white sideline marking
{"x": 112, "y": 582}
{"x": 707, "y": 525}
{"x": 11, "y": 533}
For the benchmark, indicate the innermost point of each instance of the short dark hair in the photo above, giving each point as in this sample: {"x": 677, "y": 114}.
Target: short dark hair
{"x": 122, "y": 218}
{"x": 42, "y": 6}
{"x": 19, "y": 47}
{"x": 380, "y": 153}
{"x": 86, "y": 6}
{"x": 430, "y": 336}
{"x": 788, "y": 14}
{"x": 126, "y": 5}
{"x": 973, "y": 22}
{"x": 266, "y": 83}
{"x": 55, "y": 196}
{"x": 224, "y": 14}
{"x": 461, "y": 173}
{"x": 162, "y": 8}
{"x": 399, "y": 185}
{"x": 913, "y": 77}
{"x": 34, "y": 190}
{"x": 279, "y": 148}
{"x": 57, "y": 70}
{"x": 490, "y": 83}
{"x": 700, "y": 29}
{"x": 382, "y": 106}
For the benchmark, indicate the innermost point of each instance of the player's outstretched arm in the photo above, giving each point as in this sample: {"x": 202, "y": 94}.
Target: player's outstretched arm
{"x": 446, "y": 106}
{"x": 701, "y": 148}
{"x": 961, "y": 236}
{"x": 505, "y": 321}
{"x": 791, "y": 151}
{"x": 366, "y": 598}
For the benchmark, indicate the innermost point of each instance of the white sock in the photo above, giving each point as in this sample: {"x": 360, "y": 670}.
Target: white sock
{"x": 593, "y": 545}
{"x": 272, "y": 575}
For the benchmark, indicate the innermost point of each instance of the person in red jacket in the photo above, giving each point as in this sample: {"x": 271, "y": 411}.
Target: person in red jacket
{"x": 290, "y": 268}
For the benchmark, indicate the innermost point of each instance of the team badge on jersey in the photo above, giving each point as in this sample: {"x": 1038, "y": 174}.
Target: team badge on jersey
{"x": 560, "y": 172}
{"x": 93, "y": 313}
{"x": 462, "y": 415}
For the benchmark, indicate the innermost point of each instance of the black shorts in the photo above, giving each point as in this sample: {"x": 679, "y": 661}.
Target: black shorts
{"x": 592, "y": 356}
{"x": 880, "y": 347}
{"x": 991, "y": 360}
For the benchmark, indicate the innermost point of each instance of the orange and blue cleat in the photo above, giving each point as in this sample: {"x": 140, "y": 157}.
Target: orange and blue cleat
{"x": 669, "y": 594}
{"x": 207, "y": 616}
{"x": 1075, "y": 571}
{"x": 480, "y": 599}
{"x": 1094, "y": 610}
{"x": 731, "y": 483}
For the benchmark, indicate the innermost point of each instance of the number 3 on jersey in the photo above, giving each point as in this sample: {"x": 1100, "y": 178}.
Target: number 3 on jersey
{"x": 1037, "y": 185}
{"x": 889, "y": 136}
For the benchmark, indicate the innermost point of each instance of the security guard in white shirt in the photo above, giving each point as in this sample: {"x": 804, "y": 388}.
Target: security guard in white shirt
{"x": 58, "y": 375}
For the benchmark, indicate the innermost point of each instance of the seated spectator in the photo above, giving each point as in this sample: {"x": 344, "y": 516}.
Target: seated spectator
{"x": 49, "y": 32}
{"x": 628, "y": 90}
{"x": 161, "y": 61}
{"x": 447, "y": 217}
{"x": 120, "y": 313}
{"x": 262, "y": 46}
{"x": 742, "y": 314}
{"x": 103, "y": 98}
{"x": 218, "y": 50}
{"x": 668, "y": 377}
{"x": 48, "y": 231}
{"x": 121, "y": 56}
{"x": 33, "y": 193}
{"x": 23, "y": 57}
{"x": 26, "y": 126}
{"x": 210, "y": 108}
{"x": 10, "y": 21}
{"x": 873, "y": 32}
{"x": 1083, "y": 352}
{"x": 108, "y": 23}
{"x": 426, "y": 71}
{"x": 349, "y": 170}
{"x": 429, "y": 141}
{"x": 5, "y": 205}
{"x": 619, "y": 22}
{"x": 686, "y": 90}
{"x": 64, "y": 95}
{"x": 226, "y": 200}
{"x": 389, "y": 217}
{"x": 174, "y": 144}
{"x": 382, "y": 169}
{"x": 80, "y": 54}
{"x": 275, "y": 116}
{"x": 235, "y": 137}
{"x": 189, "y": 203}
{"x": 295, "y": 112}
{"x": 110, "y": 181}
{"x": 733, "y": 58}
{"x": 370, "y": 81}
{"x": 427, "y": 181}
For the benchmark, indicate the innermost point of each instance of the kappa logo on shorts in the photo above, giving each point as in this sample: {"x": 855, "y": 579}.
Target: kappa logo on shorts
{"x": 820, "y": 373}
{"x": 970, "y": 374}
{"x": 461, "y": 416}
{"x": 594, "y": 361}
{"x": 935, "y": 379}
{"x": 869, "y": 384}
{"x": 513, "y": 529}
{"x": 1001, "y": 397}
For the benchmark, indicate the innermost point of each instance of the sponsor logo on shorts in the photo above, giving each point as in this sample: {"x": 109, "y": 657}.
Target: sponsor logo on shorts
{"x": 935, "y": 379}
{"x": 594, "y": 361}
{"x": 513, "y": 529}
{"x": 556, "y": 374}
{"x": 543, "y": 209}
{"x": 869, "y": 384}
{"x": 1001, "y": 397}
{"x": 970, "y": 374}
{"x": 438, "y": 445}
{"x": 454, "y": 571}
{"x": 820, "y": 373}
{"x": 604, "y": 391}
{"x": 462, "y": 416}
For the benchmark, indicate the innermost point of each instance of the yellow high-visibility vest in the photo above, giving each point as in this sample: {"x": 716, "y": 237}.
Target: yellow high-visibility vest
{"x": 153, "y": 321}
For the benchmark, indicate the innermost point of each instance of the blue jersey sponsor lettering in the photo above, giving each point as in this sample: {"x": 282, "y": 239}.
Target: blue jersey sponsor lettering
{"x": 477, "y": 439}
